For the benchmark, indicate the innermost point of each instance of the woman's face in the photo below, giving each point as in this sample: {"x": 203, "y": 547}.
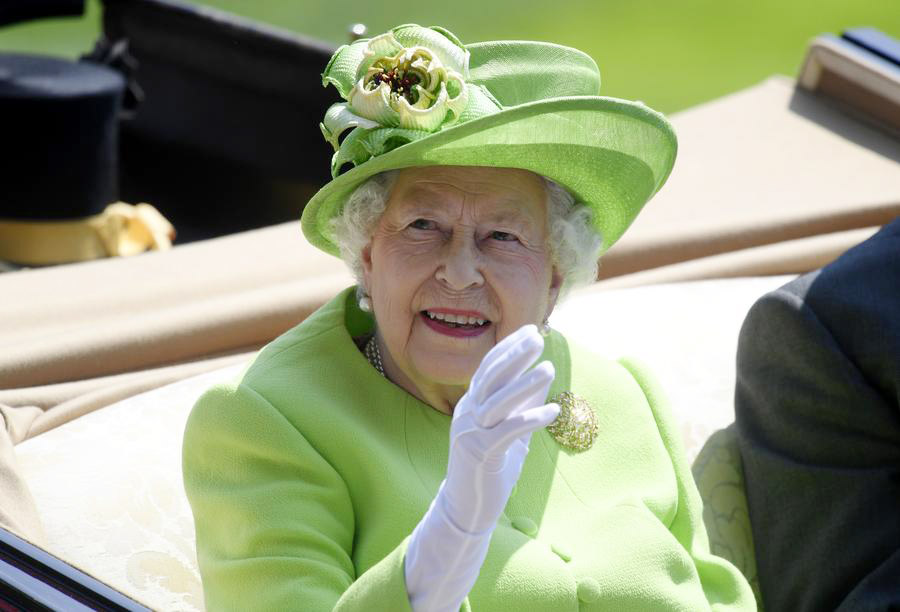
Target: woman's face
{"x": 458, "y": 261}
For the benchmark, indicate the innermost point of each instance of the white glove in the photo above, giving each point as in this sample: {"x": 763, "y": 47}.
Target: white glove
{"x": 489, "y": 435}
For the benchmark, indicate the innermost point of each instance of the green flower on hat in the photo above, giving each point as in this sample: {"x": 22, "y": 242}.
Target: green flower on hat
{"x": 400, "y": 86}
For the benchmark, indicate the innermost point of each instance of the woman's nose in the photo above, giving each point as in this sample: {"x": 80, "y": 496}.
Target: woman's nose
{"x": 460, "y": 267}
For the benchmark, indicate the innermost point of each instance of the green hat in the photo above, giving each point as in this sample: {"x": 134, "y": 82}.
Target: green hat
{"x": 418, "y": 97}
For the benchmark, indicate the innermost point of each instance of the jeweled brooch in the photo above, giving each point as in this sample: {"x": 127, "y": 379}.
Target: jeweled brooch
{"x": 576, "y": 425}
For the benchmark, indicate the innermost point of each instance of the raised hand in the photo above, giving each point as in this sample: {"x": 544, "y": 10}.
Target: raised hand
{"x": 491, "y": 428}
{"x": 489, "y": 435}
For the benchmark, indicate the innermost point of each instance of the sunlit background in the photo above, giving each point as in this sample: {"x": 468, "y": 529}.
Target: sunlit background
{"x": 671, "y": 55}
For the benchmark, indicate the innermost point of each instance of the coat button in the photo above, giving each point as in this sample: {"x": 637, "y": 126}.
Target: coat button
{"x": 561, "y": 551}
{"x": 588, "y": 590}
{"x": 525, "y": 525}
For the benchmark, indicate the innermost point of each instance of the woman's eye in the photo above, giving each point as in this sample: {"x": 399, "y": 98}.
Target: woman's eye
{"x": 503, "y": 236}
{"x": 423, "y": 224}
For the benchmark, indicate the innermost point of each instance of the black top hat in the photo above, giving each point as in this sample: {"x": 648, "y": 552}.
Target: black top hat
{"x": 59, "y": 121}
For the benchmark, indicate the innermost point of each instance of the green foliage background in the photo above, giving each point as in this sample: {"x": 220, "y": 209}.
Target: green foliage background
{"x": 670, "y": 54}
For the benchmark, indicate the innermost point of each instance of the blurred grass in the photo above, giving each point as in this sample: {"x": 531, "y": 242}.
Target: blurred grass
{"x": 671, "y": 55}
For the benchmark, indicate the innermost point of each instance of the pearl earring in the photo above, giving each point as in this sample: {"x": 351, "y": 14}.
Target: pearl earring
{"x": 365, "y": 303}
{"x": 544, "y": 328}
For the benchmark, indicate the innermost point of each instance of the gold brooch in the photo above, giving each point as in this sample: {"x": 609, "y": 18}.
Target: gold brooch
{"x": 576, "y": 425}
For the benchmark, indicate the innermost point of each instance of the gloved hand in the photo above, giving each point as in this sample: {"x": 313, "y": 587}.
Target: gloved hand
{"x": 489, "y": 435}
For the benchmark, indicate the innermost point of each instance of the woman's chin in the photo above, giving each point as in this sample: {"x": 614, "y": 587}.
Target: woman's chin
{"x": 448, "y": 371}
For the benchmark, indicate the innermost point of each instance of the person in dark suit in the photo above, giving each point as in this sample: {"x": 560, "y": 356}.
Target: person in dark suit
{"x": 818, "y": 419}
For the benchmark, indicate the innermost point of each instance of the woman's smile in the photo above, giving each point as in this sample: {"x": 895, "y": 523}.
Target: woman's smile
{"x": 456, "y": 323}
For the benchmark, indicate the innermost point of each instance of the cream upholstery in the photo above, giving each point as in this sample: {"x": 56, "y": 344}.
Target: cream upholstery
{"x": 685, "y": 332}
{"x": 109, "y": 493}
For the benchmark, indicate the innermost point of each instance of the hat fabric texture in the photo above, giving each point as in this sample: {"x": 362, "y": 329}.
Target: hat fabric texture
{"x": 417, "y": 97}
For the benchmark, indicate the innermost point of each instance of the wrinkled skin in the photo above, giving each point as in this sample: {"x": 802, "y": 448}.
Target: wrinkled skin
{"x": 457, "y": 238}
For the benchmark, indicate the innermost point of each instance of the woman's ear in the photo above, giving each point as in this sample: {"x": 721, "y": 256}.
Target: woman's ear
{"x": 556, "y": 281}
{"x": 366, "y": 257}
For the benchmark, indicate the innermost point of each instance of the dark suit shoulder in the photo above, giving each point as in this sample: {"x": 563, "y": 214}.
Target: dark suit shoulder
{"x": 816, "y": 407}
{"x": 856, "y": 300}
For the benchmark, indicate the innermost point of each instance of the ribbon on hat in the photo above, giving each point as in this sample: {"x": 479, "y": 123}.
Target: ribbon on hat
{"x": 120, "y": 230}
{"x": 399, "y": 87}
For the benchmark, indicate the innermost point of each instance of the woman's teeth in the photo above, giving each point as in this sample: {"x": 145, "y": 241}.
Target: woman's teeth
{"x": 455, "y": 320}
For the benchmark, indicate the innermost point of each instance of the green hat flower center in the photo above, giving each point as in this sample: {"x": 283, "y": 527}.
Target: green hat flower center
{"x": 405, "y": 75}
{"x": 410, "y": 89}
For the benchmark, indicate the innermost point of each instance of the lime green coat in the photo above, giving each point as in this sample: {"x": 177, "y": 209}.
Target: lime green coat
{"x": 308, "y": 474}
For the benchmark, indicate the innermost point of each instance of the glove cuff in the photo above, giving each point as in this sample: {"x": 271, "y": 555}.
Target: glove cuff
{"x": 442, "y": 561}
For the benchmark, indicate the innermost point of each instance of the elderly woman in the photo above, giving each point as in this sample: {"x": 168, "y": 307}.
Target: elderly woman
{"x": 418, "y": 443}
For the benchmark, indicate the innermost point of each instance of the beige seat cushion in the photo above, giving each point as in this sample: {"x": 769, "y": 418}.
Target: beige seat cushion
{"x": 719, "y": 473}
{"x": 109, "y": 493}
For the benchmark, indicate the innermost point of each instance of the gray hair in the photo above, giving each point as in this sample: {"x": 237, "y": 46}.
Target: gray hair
{"x": 574, "y": 243}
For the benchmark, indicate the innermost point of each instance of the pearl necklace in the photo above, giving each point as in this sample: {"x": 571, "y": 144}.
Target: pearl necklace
{"x": 373, "y": 354}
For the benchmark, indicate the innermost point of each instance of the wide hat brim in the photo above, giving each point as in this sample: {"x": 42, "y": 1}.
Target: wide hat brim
{"x": 611, "y": 154}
